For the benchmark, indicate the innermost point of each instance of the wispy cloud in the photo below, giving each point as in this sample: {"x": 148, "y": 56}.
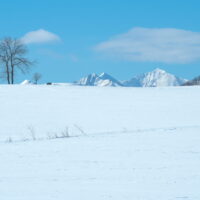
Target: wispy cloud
{"x": 40, "y": 36}
{"x": 167, "y": 45}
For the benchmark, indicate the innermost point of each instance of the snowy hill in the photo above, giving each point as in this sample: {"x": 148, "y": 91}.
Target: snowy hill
{"x": 26, "y": 82}
{"x": 124, "y": 144}
{"x": 156, "y": 78}
{"x": 95, "y": 109}
{"x": 98, "y": 80}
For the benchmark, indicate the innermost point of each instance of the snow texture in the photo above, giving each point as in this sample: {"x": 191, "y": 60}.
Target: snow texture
{"x": 126, "y": 143}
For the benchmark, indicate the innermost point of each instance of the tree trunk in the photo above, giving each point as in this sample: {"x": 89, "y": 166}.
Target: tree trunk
{"x": 7, "y": 73}
{"x": 12, "y": 75}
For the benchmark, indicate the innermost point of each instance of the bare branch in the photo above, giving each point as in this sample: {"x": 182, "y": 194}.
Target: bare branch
{"x": 12, "y": 52}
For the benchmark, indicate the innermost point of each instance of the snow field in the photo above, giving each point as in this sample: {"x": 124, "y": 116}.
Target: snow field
{"x": 138, "y": 143}
{"x": 49, "y": 110}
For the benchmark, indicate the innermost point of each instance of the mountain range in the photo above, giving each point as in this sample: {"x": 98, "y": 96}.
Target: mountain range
{"x": 99, "y": 80}
{"x": 155, "y": 78}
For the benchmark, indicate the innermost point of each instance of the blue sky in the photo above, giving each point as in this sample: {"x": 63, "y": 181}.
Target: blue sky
{"x": 85, "y": 36}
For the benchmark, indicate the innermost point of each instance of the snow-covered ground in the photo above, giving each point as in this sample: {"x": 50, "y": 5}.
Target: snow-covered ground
{"x": 130, "y": 144}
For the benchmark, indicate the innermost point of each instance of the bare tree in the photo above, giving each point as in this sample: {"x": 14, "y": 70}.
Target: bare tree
{"x": 36, "y": 77}
{"x": 5, "y": 60}
{"x": 12, "y": 57}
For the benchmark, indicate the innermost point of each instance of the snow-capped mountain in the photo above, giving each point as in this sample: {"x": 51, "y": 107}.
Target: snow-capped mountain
{"x": 26, "y": 82}
{"x": 99, "y": 80}
{"x": 156, "y": 78}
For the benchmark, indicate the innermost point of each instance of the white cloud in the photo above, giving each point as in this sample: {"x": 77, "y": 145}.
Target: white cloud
{"x": 167, "y": 45}
{"x": 39, "y": 36}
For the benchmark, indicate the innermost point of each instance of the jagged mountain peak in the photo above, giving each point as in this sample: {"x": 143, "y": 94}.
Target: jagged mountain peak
{"x": 103, "y": 74}
{"x": 103, "y": 79}
{"x": 93, "y": 74}
{"x": 156, "y": 78}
